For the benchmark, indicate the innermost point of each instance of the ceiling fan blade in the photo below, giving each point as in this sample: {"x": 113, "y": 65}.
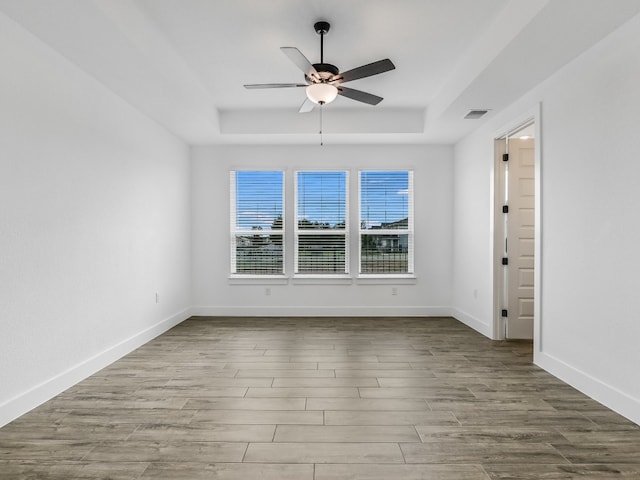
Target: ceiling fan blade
{"x": 301, "y": 61}
{"x": 307, "y": 106}
{"x": 359, "y": 95}
{"x": 368, "y": 70}
{"x": 275, "y": 85}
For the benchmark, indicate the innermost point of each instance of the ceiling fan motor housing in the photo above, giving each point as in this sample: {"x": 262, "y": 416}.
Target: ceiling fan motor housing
{"x": 325, "y": 70}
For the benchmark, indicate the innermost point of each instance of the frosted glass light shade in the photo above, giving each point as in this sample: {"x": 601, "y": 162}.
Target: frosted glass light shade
{"x": 322, "y": 93}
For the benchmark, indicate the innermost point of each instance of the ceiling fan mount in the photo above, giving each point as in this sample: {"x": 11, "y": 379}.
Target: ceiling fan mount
{"x": 323, "y": 81}
{"x": 322, "y": 28}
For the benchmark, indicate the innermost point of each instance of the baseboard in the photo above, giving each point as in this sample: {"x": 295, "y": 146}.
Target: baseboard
{"x": 600, "y": 391}
{"x": 337, "y": 311}
{"x": 21, "y": 404}
{"x": 472, "y": 322}
{"x": 321, "y": 311}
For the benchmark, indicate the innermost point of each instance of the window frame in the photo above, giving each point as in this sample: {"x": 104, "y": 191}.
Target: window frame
{"x": 235, "y": 231}
{"x": 301, "y": 232}
{"x": 409, "y": 231}
{"x": 352, "y": 232}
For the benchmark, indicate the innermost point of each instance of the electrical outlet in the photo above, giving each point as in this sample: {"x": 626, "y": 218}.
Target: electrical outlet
{"x": 394, "y": 291}
{"x": 267, "y": 291}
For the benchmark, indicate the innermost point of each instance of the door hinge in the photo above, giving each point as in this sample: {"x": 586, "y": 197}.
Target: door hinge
{"x": 505, "y": 209}
{"x": 505, "y": 157}
{"x": 505, "y": 261}
{"x": 504, "y": 313}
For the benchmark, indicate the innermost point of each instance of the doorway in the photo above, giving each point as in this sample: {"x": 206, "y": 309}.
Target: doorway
{"x": 515, "y": 229}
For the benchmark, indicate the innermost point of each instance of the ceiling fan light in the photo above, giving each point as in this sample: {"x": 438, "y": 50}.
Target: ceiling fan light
{"x": 321, "y": 93}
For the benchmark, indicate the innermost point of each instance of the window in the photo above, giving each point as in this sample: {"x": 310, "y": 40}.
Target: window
{"x": 321, "y": 239}
{"x": 319, "y": 215}
{"x": 386, "y": 222}
{"x": 257, "y": 222}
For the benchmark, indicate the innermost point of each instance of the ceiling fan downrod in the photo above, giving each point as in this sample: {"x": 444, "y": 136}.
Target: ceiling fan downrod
{"x": 321, "y": 28}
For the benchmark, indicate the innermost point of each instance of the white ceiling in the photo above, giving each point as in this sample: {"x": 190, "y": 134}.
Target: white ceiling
{"x": 184, "y": 62}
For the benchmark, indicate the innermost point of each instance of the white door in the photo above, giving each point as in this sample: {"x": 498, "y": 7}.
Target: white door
{"x": 520, "y": 238}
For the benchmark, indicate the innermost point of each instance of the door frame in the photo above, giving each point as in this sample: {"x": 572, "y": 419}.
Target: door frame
{"x": 497, "y": 226}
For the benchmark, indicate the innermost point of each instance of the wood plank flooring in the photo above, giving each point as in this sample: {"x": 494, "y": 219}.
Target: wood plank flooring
{"x": 321, "y": 399}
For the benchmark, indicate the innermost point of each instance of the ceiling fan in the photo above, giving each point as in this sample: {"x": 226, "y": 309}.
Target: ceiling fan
{"x": 323, "y": 81}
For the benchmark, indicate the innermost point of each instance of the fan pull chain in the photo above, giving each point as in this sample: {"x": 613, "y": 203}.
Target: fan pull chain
{"x": 321, "y": 142}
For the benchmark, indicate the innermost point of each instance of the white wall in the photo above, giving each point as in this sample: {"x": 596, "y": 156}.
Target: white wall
{"x": 472, "y": 279}
{"x": 429, "y": 295}
{"x": 94, "y": 220}
{"x": 589, "y": 322}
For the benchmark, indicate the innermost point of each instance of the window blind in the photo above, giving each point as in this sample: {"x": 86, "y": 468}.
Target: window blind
{"x": 257, "y": 222}
{"x": 321, "y": 239}
{"x": 386, "y": 222}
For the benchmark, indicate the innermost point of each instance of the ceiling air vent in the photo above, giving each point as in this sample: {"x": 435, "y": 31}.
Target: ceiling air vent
{"x": 475, "y": 114}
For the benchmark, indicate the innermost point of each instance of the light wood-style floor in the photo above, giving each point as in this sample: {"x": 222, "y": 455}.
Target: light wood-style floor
{"x": 321, "y": 399}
